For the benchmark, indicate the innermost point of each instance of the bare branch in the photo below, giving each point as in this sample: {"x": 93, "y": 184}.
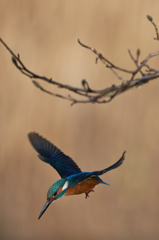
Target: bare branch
{"x": 86, "y": 93}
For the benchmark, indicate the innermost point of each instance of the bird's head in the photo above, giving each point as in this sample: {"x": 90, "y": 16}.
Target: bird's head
{"x": 56, "y": 191}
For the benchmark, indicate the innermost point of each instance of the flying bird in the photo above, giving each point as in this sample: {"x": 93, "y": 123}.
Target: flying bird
{"x": 73, "y": 180}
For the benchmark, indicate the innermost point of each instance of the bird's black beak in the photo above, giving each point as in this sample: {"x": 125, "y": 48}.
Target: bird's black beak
{"x": 47, "y": 204}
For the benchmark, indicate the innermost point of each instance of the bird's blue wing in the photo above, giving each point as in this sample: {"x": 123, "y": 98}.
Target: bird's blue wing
{"x": 77, "y": 178}
{"x": 49, "y": 153}
{"x": 115, "y": 165}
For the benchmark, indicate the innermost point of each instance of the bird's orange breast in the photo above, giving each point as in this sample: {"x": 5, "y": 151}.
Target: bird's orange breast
{"x": 82, "y": 187}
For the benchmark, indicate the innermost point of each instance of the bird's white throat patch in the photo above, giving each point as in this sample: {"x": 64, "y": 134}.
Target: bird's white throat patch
{"x": 65, "y": 186}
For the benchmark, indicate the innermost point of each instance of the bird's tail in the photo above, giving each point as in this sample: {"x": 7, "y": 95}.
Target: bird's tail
{"x": 101, "y": 181}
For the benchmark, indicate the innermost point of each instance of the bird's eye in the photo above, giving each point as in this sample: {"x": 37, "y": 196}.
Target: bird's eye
{"x": 55, "y": 194}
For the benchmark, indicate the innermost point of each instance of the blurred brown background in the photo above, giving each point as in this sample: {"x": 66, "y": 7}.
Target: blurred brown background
{"x": 45, "y": 34}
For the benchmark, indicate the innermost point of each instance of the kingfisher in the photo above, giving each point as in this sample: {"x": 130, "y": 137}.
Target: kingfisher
{"x": 73, "y": 180}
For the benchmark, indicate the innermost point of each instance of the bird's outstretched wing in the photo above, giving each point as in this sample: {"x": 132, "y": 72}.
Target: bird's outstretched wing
{"x": 49, "y": 153}
{"x": 115, "y": 165}
{"x": 85, "y": 175}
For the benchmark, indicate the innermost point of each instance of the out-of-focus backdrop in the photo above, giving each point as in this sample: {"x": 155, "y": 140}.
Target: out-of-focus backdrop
{"x": 45, "y": 35}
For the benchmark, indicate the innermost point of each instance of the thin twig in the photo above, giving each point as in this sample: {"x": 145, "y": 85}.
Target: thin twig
{"x": 156, "y": 29}
{"x": 103, "y": 59}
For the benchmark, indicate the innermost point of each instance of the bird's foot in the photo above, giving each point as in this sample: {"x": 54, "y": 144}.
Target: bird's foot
{"x": 87, "y": 193}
